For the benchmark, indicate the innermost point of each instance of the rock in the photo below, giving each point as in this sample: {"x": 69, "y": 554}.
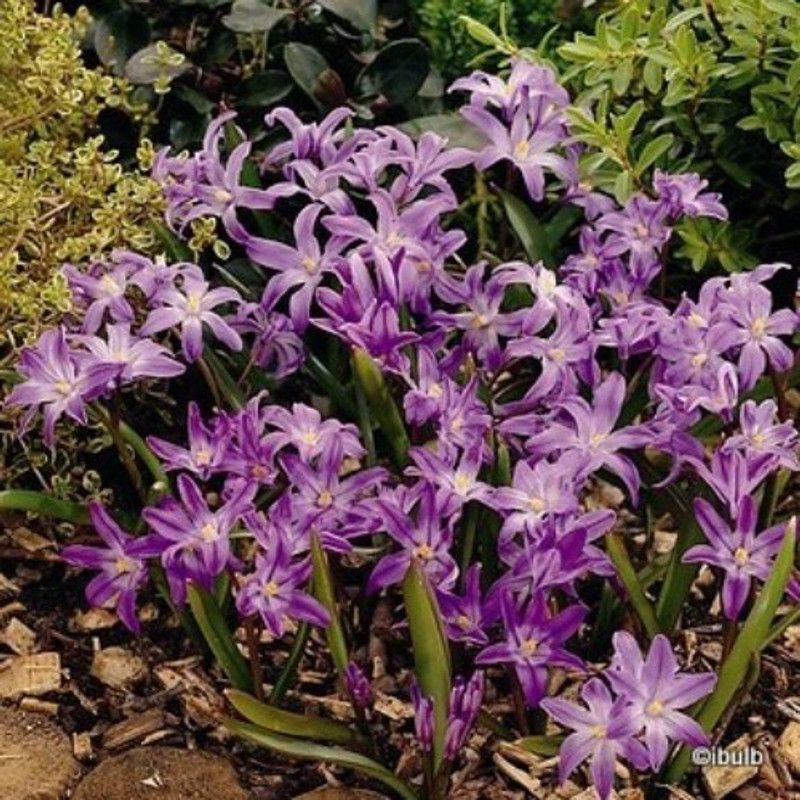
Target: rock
{"x": 32, "y": 675}
{"x": 118, "y": 668}
{"x": 789, "y": 746}
{"x": 165, "y": 773}
{"x": 36, "y": 760}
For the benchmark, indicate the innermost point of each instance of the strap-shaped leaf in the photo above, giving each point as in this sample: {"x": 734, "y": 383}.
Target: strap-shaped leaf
{"x": 431, "y": 650}
{"x": 323, "y": 591}
{"x": 752, "y": 638}
{"x": 618, "y": 553}
{"x": 288, "y": 723}
{"x": 215, "y": 631}
{"x": 311, "y": 751}
{"x": 546, "y": 746}
{"x": 41, "y": 503}
{"x": 381, "y": 404}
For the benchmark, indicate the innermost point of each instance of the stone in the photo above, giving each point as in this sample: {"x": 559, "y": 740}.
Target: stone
{"x": 165, "y": 773}
{"x": 36, "y": 760}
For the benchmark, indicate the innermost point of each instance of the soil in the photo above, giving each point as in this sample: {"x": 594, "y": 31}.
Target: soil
{"x": 36, "y": 761}
{"x": 173, "y": 774}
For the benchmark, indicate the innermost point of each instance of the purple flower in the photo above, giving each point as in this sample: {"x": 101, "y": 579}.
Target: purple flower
{"x": 56, "y": 379}
{"x": 276, "y": 347}
{"x": 321, "y": 490}
{"x": 122, "y": 565}
{"x": 303, "y": 429}
{"x": 591, "y": 436}
{"x": 465, "y": 703}
{"x": 100, "y": 290}
{"x": 533, "y": 642}
{"x": 423, "y": 718}
{"x": 535, "y": 491}
{"x": 134, "y": 357}
{"x": 358, "y": 686}
{"x": 684, "y": 196}
{"x": 603, "y": 730}
{"x": 272, "y": 592}
{"x": 739, "y": 551}
{"x": 417, "y": 522}
{"x": 528, "y": 144}
{"x": 761, "y": 434}
{"x": 303, "y": 265}
{"x": 197, "y": 546}
{"x": 207, "y": 449}
{"x": 757, "y": 331}
{"x": 463, "y": 615}
{"x": 656, "y": 691}
{"x": 191, "y": 307}
{"x": 456, "y": 479}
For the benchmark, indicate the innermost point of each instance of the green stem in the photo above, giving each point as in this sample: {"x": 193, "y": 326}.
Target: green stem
{"x": 618, "y": 553}
{"x": 211, "y": 381}
{"x": 365, "y": 425}
{"x": 287, "y": 676}
{"x": 40, "y": 503}
{"x": 113, "y": 421}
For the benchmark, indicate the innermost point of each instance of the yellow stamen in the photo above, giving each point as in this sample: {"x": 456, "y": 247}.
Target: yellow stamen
{"x": 556, "y": 354}
{"x": 202, "y": 457}
{"x": 324, "y": 499}
{"x": 310, "y": 265}
{"x": 522, "y": 149}
{"x": 599, "y": 731}
{"x": 655, "y": 708}
{"x": 462, "y": 483}
{"x": 223, "y": 196}
{"x": 536, "y": 504}
{"x": 209, "y": 531}
{"x": 699, "y": 359}
{"x": 741, "y": 556}
{"x": 528, "y": 647}
{"x": 193, "y": 302}
{"x": 759, "y": 326}
{"x": 63, "y": 387}
{"x": 123, "y": 565}
{"x": 271, "y": 589}
{"x": 423, "y": 552}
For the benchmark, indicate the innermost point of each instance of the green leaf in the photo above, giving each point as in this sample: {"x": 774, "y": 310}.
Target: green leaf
{"x": 653, "y": 150}
{"x": 622, "y": 76}
{"x": 653, "y": 76}
{"x": 264, "y": 89}
{"x": 214, "y": 628}
{"x": 397, "y": 72}
{"x": 231, "y": 390}
{"x": 155, "y": 63}
{"x": 311, "y": 72}
{"x": 253, "y": 16}
{"x": 118, "y": 35}
{"x": 382, "y": 405}
{"x": 618, "y": 553}
{"x": 324, "y": 592}
{"x": 752, "y": 638}
{"x": 546, "y": 746}
{"x": 431, "y": 651}
{"x": 310, "y": 751}
{"x": 623, "y": 187}
{"x": 41, "y": 503}
{"x": 532, "y": 234}
{"x": 287, "y": 722}
{"x": 361, "y": 14}
{"x": 481, "y": 33}
{"x": 453, "y": 127}
{"x": 176, "y": 249}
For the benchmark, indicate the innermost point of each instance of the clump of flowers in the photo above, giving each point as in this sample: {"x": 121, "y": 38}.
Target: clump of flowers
{"x": 470, "y": 411}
